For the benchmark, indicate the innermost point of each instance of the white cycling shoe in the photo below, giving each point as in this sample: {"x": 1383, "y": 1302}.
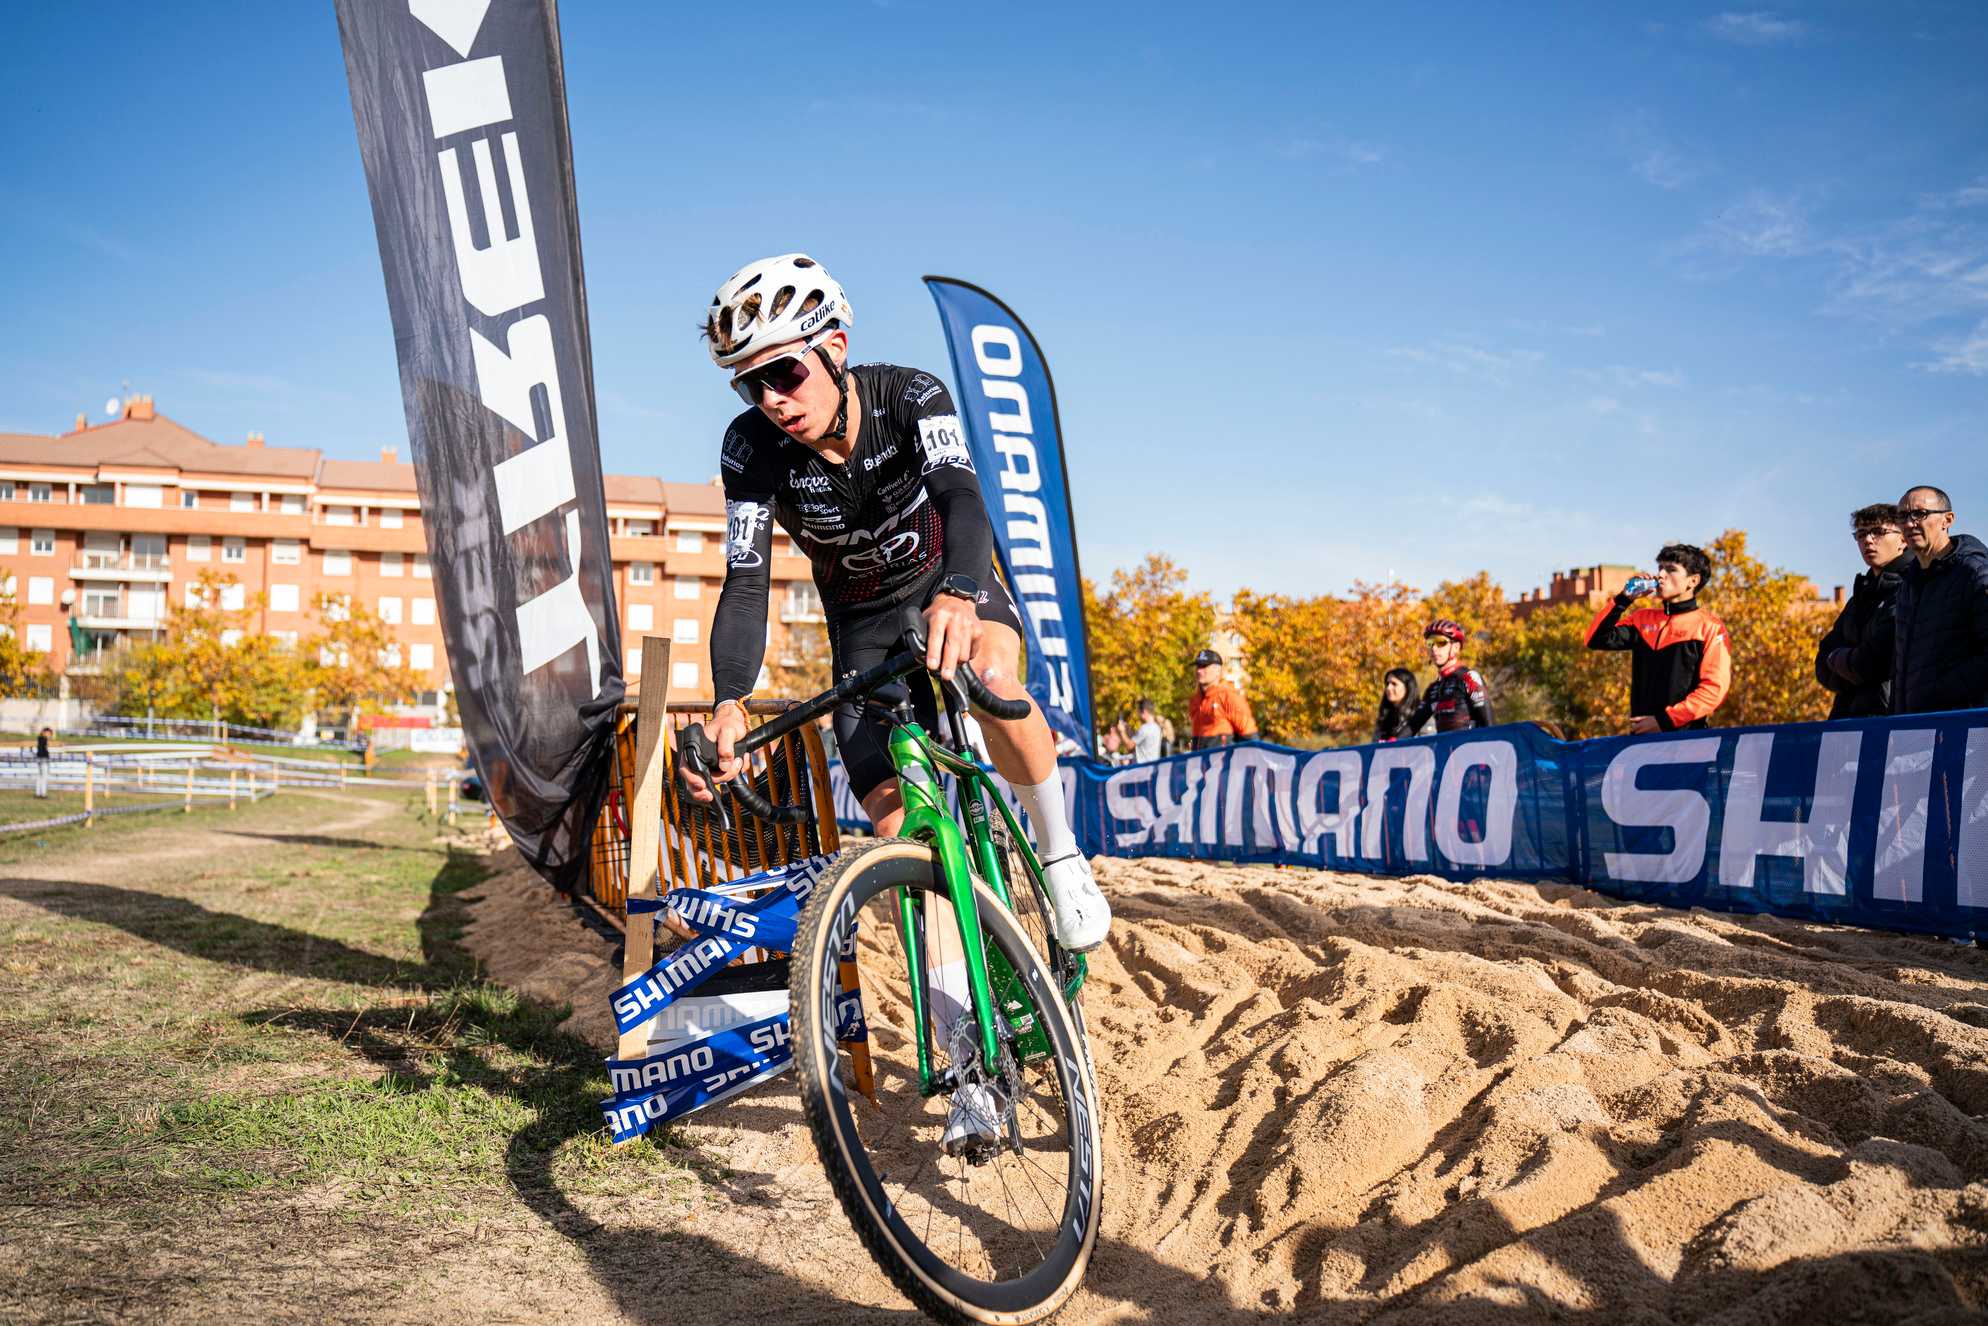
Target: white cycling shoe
{"x": 973, "y": 1122}
{"x": 1083, "y": 917}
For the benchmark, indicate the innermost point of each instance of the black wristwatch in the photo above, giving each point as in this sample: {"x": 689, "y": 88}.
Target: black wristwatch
{"x": 962, "y": 587}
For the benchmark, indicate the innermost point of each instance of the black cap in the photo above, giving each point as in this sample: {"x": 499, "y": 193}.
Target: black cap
{"x": 1207, "y": 656}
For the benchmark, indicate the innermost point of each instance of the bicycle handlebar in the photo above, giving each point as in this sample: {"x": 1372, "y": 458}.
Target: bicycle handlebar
{"x": 700, "y": 753}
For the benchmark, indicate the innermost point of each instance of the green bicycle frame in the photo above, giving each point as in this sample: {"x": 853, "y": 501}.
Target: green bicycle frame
{"x": 927, "y": 819}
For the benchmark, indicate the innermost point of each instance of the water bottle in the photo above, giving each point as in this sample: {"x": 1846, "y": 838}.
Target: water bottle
{"x": 1638, "y": 586}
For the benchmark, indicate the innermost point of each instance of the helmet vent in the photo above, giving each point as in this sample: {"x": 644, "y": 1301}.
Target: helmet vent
{"x": 781, "y": 299}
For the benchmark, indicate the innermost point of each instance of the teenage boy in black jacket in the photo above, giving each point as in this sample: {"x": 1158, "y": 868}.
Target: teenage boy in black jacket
{"x": 1854, "y": 659}
{"x": 1940, "y": 654}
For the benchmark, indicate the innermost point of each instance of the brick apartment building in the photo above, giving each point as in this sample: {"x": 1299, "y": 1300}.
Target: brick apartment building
{"x": 1590, "y": 586}
{"x": 115, "y": 521}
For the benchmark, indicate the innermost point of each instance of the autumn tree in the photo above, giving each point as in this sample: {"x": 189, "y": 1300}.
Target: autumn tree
{"x": 1557, "y": 679}
{"x": 23, "y": 671}
{"x": 353, "y": 662}
{"x": 800, "y": 667}
{"x": 210, "y": 665}
{"x": 1143, "y": 637}
{"x": 1775, "y": 625}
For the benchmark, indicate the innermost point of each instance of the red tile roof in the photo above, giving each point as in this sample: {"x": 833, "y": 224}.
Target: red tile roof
{"x": 159, "y": 442}
{"x": 694, "y": 499}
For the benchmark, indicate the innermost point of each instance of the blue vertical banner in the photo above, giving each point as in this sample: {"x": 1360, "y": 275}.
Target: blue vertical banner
{"x": 1007, "y": 404}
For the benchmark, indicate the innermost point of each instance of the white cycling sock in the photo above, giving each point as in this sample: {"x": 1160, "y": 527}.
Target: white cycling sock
{"x": 1044, "y": 804}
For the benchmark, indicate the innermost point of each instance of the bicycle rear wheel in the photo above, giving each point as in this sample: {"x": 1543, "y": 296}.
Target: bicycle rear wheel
{"x": 1002, "y": 1230}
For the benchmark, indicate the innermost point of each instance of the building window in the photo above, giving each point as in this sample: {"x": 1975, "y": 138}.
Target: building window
{"x": 683, "y": 674}
{"x": 640, "y": 528}
{"x": 199, "y": 548}
{"x": 99, "y": 494}
{"x": 287, "y": 639}
{"x": 390, "y": 517}
{"x": 390, "y": 610}
{"x": 241, "y": 501}
{"x": 286, "y": 552}
{"x": 641, "y": 617}
{"x": 683, "y": 631}
{"x": 641, "y": 573}
{"x": 689, "y": 540}
{"x": 41, "y": 637}
{"x": 390, "y": 566}
{"x": 234, "y": 597}
{"x": 42, "y": 543}
{"x": 390, "y": 656}
{"x": 338, "y": 515}
{"x": 337, "y": 562}
{"x": 148, "y": 495}
{"x": 148, "y": 552}
{"x": 41, "y": 589}
{"x": 194, "y": 598}
{"x": 6, "y": 490}
{"x": 234, "y": 549}
{"x": 38, "y": 492}
{"x": 102, "y": 603}
{"x": 293, "y": 504}
{"x": 424, "y": 612}
{"x": 803, "y": 602}
{"x": 687, "y": 587}
{"x": 231, "y": 637}
{"x": 337, "y": 607}
{"x": 283, "y": 598}
{"x": 189, "y": 500}
{"x": 10, "y": 539}
{"x": 422, "y": 657}
{"x": 421, "y": 566}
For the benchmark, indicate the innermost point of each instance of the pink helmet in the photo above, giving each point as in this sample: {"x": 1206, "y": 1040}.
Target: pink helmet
{"x": 1446, "y": 628}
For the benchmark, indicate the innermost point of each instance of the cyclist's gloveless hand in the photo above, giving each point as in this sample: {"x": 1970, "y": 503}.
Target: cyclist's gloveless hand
{"x": 724, "y": 728}
{"x": 952, "y": 628}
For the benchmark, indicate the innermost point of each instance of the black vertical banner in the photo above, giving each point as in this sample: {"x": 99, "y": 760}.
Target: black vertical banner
{"x": 461, "y": 110}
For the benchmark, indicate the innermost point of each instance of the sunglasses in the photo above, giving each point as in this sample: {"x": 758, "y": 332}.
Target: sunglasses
{"x": 1873, "y": 532}
{"x": 783, "y": 375}
{"x": 1912, "y": 517}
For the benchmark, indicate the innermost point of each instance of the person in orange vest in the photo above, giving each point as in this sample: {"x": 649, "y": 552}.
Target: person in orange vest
{"x": 1217, "y": 713}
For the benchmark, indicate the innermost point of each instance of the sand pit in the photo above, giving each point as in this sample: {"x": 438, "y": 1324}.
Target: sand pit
{"x": 1356, "y": 1099}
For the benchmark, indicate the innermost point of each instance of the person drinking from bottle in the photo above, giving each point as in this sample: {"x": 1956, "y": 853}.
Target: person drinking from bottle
{"x": 866, "y": 468}
{"x": 1681, "y": 662}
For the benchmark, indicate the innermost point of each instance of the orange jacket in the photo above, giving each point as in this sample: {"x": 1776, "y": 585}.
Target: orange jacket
{"x": 1220, "y": 711}
{"x": 1681, "y": 662}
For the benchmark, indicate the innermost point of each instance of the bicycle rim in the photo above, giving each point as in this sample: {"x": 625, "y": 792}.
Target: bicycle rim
{"x": 1002, "y": 1234}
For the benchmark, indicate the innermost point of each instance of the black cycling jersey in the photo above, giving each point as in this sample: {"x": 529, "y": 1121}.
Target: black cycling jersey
{"x": 879, "y": 529}
{"x": 1456, "y": 700}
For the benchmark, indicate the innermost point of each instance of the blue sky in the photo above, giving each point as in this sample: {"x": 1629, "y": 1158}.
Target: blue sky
{"x": 1328, "y": 294}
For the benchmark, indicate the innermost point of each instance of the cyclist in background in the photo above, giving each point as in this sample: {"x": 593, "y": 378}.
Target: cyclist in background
{"x": 1457, "y": 698}
{"x": 866, "y": 469}
{"x": 1217, "y": 713}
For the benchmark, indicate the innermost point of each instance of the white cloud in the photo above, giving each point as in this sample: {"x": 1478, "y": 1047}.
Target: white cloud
{"x": 1334, "y": 148}
{"x": 1966, "y": 354}
{"x": 1471, "y": 361}
{"x": 1760, "y": 224}
{"x": 1603, "y": 404}
{"x": 1755, "y": 28}
{"x": 1652, "y": 157}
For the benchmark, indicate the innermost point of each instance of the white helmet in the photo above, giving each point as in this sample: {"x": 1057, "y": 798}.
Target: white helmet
{"x": 770, "y": 302}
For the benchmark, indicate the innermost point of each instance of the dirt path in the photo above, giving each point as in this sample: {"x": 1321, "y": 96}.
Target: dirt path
{"x": 1408, "y": 1100}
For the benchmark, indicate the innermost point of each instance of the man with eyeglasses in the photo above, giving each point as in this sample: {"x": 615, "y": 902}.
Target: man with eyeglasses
{"x": 1853, "y": 661}
{"x": 1940, "y": 640}
{"x": 1681, "y": 659}
{"x": 866, "y": 468}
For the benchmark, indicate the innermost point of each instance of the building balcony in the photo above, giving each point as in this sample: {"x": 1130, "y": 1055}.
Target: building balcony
{"x": 101, "y": 622}
{"x": 153, "y": 568}
{"x": 801, "y": 612}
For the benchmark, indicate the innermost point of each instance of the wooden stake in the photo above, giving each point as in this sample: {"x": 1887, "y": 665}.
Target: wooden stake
{"x": 231, "y": 788}
{"x": 89, "y": 791}
{"x": 645, "y": 811}
{"x": 189, "y": 788}
{"x": 431, "y": 791}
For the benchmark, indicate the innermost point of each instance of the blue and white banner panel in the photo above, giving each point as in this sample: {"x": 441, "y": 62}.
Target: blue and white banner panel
{"x": 1007, "y": 406}
{"x": 1874, "y": 822}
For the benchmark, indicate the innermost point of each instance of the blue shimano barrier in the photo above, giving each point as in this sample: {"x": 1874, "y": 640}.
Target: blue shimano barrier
{"x": 1873, "y": 822}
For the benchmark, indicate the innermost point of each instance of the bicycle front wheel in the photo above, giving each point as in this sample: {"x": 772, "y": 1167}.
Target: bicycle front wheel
{"x": 979, "y": 1201}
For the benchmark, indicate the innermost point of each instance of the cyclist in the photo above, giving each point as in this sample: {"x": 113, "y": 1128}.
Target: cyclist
{"x": 1456, "y": 699}
{"x": 866, "y": 469}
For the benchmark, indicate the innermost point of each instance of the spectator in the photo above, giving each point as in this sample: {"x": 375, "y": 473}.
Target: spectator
{"x": 1854, "y": 659}
{"x": 1108, "y": 746}
{"x": 1147, "y": 739}
{"x": 1217, "y": 713}
{"x": 41, "y": 762}
{"x": 1399, "y": 694}
{"x": 1457, "y": 698}
{"x": 1940, "y": 647}
{"x": 1681, "y": 664}
{"x": 1168, "y": 742}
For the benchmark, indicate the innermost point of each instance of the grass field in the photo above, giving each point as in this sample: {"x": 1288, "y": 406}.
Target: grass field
{"x": 218, "y": 1024}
